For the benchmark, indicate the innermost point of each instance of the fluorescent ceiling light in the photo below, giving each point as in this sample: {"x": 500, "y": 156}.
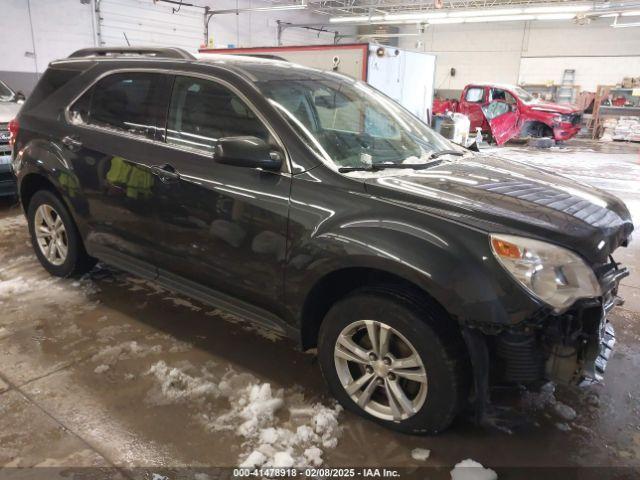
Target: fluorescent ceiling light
{"x": 355, "y": 19}
{"x": 389, "y": 18}
{"x": 483, "y": 13}
{"x": 277, "y": 8}
{"x": 566, "y": 9}
{"x": 505, "y": 18}
{"x": 556, "y": 16}
{"x": 414, "y": 16}
{"x": 469, "y": 16}
{"x": 609, "y": 15}
{"x": 631, "y": 13}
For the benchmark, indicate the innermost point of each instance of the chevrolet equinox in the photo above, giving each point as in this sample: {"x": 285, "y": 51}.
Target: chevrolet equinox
{"x": 314, "y": 205}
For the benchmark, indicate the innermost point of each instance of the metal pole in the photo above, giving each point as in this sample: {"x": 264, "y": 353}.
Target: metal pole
{"x": 279, "y": 37}
{"x": 206, "y": 26}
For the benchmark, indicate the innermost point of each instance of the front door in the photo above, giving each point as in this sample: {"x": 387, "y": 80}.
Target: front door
{"x": 223, "y": 226}
{"x": 111, "y": 144}
{"x": 504, "y": 120}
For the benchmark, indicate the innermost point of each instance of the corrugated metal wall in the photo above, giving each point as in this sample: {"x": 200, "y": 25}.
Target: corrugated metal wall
{"x": 145, "y": 22}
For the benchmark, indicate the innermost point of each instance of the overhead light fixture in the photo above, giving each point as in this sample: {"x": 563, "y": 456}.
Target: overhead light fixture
{"x": 471, "y": 16}
{"x": 414, "y": 16}
{"x": 483, "y": 13}
{"x": 356, "y": 19}
{"x": 276, "y": 8}
{"x": 389, "y": 18}
{"x": 631, "y": 13}
{"x": 504, "y": 18}
{"x": 564, "y": 9}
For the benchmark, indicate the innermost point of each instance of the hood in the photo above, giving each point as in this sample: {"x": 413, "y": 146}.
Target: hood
{"x": 8, "y": 111}
{"x": 500, "y": 196}
{"x": 554, "y": 107}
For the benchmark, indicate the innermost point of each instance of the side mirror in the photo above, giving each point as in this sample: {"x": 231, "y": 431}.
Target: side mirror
{"x": 19, "y": 97}
{"x": 250, "y": 152}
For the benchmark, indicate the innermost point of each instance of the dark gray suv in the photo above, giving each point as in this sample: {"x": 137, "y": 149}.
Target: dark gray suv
{"x": 314, "y": 205}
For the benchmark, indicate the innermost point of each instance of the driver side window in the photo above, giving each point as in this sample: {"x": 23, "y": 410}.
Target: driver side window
{"x": 203, "y": 111}
{"x": 495, "y": 109}
{"x": 502, "y": 95}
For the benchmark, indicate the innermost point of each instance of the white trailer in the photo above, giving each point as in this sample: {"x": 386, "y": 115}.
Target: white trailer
{"x": 407, "y": 77}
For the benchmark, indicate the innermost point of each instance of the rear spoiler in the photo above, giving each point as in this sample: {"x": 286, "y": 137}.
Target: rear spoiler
{"x": 157, "y": 52}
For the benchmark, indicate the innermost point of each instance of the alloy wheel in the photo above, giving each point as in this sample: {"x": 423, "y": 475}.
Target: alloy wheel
{"x": 51, "y": 234}
{"x": 380, "y": 370}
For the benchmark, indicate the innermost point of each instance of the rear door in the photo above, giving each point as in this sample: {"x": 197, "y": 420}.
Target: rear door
{"x": 504, "y": 120}
{"x": 473, "y": 100}
{"x": 112, "y": 145}
{"x": 223, "y": 227}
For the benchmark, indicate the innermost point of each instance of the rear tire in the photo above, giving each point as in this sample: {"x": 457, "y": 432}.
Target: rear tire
{"x": 55, "y": 237}
{"x": 425, "y": 360}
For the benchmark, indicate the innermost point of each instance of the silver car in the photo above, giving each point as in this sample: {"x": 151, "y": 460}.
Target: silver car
{"x": 10, "y": 103}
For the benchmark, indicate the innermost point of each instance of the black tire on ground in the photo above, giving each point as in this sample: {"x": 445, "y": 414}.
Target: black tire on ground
{"x": 433, "y": 335}
{"x": 544, "y": 142}
{"x": 77, "y": 261}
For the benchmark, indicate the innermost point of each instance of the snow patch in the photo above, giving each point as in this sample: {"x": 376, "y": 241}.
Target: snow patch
{"x": 278, "y": 430}
{"x": 101, "y": 369}
{"x": 420, "y": 454}
{"x": 471, "y": 470}
{"x": 13, "y": 223}
{"x": 565, "y": 411}
{"x": 176, "y": 386}
{"x": 123, "y": 351}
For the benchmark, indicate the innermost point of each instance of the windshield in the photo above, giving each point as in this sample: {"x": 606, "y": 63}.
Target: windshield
{"x": 523, "y": 94}
{"x": 5, "y": 92}
{"x": 350, "y": 124}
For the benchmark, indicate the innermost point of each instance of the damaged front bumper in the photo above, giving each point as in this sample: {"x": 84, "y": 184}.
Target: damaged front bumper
{"x": 571, "y": 348}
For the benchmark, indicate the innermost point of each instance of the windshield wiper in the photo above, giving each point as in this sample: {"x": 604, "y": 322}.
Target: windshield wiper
{"x": 446, "y": 152}
{"x": 374, "y": 167}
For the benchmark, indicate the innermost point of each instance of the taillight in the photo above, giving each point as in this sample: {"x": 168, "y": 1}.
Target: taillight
{"x": 13, "y": 131}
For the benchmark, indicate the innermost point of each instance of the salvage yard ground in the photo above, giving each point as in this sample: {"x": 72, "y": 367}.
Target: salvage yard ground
{"x": 110, "y": 370}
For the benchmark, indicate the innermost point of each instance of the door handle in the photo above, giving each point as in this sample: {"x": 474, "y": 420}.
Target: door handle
{"x": 166, "y": 173}
{"x": 71, "y": 143}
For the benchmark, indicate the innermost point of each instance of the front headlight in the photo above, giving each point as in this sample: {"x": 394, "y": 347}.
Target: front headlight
{"x": 555, "y": 275}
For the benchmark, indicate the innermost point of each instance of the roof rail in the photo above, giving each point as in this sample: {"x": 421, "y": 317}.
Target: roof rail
{"x": 160, "y": 52}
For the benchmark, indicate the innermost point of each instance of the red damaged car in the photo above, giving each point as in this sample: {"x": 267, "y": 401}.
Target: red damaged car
{"x": 507, "y": 111}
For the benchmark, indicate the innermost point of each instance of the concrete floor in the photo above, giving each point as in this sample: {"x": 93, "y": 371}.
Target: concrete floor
{"x": 76, "y": 388}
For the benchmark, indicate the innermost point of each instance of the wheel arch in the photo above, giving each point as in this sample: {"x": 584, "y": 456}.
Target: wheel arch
{"x": 32, "y": 183}
{"x": 339, "y": 283}
{"x": 533, "y": 127}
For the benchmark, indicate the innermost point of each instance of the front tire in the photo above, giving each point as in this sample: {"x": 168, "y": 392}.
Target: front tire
{"x": 54, "y": 236}
{"x": 394, "y": 360}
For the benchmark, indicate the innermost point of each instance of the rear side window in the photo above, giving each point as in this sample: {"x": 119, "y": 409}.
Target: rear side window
{"x": 203, "y": 111}
{"x": 125, "y": 102}
{"x": 52, "y": 80}
{"x": 474, "y": 95}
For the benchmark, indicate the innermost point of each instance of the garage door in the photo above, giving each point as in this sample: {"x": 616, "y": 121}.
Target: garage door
{"x": 144, "y": 22}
